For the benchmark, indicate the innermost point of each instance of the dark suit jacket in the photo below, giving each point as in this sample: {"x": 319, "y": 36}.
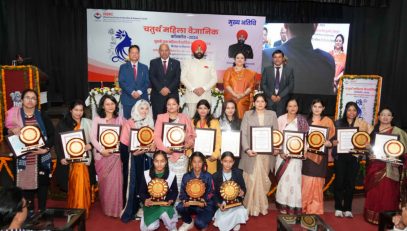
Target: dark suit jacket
{"x": 159, "y": 80}
{"x": 277, "y": 43}
{"x": 286, "y": 87}
{"x": 237, "y": 176}
{"x": 128, "y": 84}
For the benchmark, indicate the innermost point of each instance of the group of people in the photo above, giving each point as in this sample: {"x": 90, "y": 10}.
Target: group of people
{"x": 123, "y": 176}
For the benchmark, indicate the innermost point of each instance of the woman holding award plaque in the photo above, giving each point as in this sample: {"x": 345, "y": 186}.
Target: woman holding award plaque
{"x": 204, "y": 119}
{"x": 229, "y": 191}
{"x": 107, "y": 163}
{"x": 178, "y": 161}
{"x": 288, "y": 170}
{"x": 256, "y": 167}
{"x": 346, "y": 164}
{"x": 34, "y": 168}
{"x": 382, "y": 181}
{"x": 158, "y": 192}
{"x": 314, "y": 167}
{"x": 74, "y": 177}
{"x": 196, "y": 195}
{"x": 137, "y": 162}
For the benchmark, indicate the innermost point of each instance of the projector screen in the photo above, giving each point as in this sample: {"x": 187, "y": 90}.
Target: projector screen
{"x": 316, "y": 52}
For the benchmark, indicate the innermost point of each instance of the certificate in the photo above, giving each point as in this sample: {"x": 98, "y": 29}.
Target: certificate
{"x": 293, "y": 145}
{"x": 344, "y": 136}
{"x": 323, "y": 130}
{"x": 134, "y": 143}
{"x": 109, "y": 136}
{"x": 73, "y": 144}
{"x": 261, "y": 139}
{"x": 166, "y": 128}
{"x": 378, "y": 147}
{"x": 205, "y": 140}
{"x": 231, "y": 142}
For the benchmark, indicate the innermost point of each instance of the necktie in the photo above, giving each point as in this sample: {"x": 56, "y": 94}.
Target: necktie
{"x": 165, "y": 67}
{"x": 277, "y": 85}
{"x": 135, "y": 72}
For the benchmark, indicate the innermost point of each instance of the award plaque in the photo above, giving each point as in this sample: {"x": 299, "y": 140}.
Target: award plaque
{"x": 394, "y": 148}
{"x": 195, "y": 190}
{"x": 229, "y": 191}
{"x": 231, "y": 142}
{"x": 174, "y": 136}
{"x": 73, "y": 145}
{"x": 31, "y": 137}
{"x": 158, "y": 189}
{"x": 360, "y": 140}
{"x": 278, "y": 138}
{"x": 294, "y": 144}
{"x": 141, "y": 139}
{"x": 315, "y": 140}
{"x": 109, "y": 136}
{"x": 308, "y": 222}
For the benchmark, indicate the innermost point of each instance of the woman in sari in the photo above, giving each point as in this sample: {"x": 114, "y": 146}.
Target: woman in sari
{"x": 339, "y": 56}
{"x": 239, "y": 83}
{"x": 76, "y": 174}
{"x": 347, "y": 165}
{"x": 382, "y": 181}
{"x": 33, "y": 169}
{"x": 178, "y": 161}
{"x": 314, "y": 167}
{"x": 288, "y": 195}
{"x": 138, "y": 161}
{"x": 108, "y": 164}
{"x": 204, "y": 119}
{"x": 256, "y": 168}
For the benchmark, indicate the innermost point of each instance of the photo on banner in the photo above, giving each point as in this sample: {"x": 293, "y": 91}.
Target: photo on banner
{"x": 315, "y": 51}
{"x": 111, "y": 32}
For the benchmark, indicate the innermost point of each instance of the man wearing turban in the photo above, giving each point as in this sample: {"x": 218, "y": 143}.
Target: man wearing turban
{"x": 198, "y": 75}
{"x": 240, "y": 46}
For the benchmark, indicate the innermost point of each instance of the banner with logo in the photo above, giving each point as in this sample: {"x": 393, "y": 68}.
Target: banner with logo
{"x": 111, "y": 32}
{"x": 364, "y": 90}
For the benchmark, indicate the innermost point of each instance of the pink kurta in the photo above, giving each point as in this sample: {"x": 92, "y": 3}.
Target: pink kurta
{"x": 109, "y": 171}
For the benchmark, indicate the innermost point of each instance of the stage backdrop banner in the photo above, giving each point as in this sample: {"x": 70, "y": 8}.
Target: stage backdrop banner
{"x": 111, "y": 32}
{"x": 365, "y": 90}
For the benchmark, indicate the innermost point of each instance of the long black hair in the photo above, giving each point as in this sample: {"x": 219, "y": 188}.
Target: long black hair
{"x": 315, "y": 101}
{"x": 344, "y": 119}
{"x": 101, "y": 111}
{"x": 227, "y": 154}
{"x": 199, "y": 155}
{"x": 68, "y": 120}
{"x": 11, "y": 202}
{"x": 209, "y": 116}
{"x": 166, "y": 168}
{"x": 235, "y": 123}
{"x": 174, "y": 98}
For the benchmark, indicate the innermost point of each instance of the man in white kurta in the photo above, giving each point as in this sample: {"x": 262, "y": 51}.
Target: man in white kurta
{"x": 198, "y": 76}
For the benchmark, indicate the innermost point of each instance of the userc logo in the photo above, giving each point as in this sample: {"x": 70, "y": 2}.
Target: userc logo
{"x": 97, "y": 15}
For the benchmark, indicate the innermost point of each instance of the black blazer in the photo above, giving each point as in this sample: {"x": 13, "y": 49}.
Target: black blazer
{"x": 159, "y": 80}
{"x": 237, "y": 176}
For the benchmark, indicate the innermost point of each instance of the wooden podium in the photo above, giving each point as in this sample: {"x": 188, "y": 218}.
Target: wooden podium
{"x": 13, "y": 81}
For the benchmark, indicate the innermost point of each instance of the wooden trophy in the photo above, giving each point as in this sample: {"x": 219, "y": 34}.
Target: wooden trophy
{"x": 75, "y": 148}
{"x": 360, "y": 141}
{"x": 145, "y": 136}
{"x": 176, "y": 137}
{"x": 393, "y": 149}
{"x": 195, "y": 189}
{"x": 110, "y": 140}
{"x": 316, "y": 141}
{"x": 31, "y": 137}
{"x": 295, "y": 147}
{"x": 278, "y": 139}
{"x": 158, "y": 189}
{"x": 229, "y": 191}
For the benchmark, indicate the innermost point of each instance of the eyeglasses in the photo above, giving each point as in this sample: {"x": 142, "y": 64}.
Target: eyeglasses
{"x": 30, "y": 98}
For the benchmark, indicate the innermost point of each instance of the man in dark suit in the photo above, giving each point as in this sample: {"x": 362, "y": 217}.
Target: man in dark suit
{"x": 133, "y": 80}
{"x": 283, "y": 36}
{"x": 277, "y": 83}
{"x": 165, "y": 74}
{"x": 240, "y": 46}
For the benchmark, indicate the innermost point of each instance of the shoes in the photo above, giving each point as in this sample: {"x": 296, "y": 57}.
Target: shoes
{"x": 237, "y": 227}
{"x": 186, "y": 226}
{"x": 348, "y": 214}
{"x": 338, "y": 213}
